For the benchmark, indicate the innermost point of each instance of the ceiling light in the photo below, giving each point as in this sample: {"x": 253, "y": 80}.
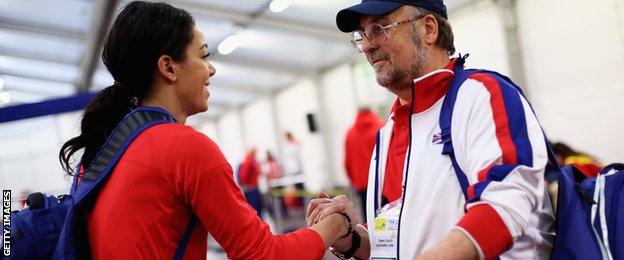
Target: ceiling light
{"x": 279, "y": 5}
{"x": 228, "y": 45}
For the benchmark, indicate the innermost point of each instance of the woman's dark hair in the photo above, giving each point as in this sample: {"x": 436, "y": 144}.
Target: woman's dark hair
{"x": 140, "y": 35}
{"x": 563, "y": 150}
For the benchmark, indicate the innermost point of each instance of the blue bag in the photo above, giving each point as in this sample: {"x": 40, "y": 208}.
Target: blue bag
{"x": 587, "y": 214}
{"x": 54, "y": 228}
{"x": 35, "y": 230}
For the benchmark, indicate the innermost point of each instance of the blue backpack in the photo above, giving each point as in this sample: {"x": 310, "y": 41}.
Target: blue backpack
{"x": 588, "y": 226}
{"x": 54, "y": 228}
{"x": 586, "y": 222}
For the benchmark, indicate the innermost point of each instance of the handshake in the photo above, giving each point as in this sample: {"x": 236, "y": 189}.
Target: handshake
{"x": 339, "y": 209}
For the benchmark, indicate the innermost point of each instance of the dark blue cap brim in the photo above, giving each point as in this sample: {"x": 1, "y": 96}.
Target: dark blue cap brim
{"x": 348, "y": 20}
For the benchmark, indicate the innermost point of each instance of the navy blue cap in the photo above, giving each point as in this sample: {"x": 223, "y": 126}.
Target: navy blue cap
{"x": 348, "y": 19}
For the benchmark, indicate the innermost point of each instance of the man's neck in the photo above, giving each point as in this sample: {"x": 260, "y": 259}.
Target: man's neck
{"x": 404, "y": 95}
{"x": 437, "y": 62}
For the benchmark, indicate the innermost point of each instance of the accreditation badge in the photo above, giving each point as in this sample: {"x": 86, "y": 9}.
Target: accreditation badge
{"x": 385, "y": 232}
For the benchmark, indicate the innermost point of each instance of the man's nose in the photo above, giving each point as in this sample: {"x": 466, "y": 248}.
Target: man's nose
{"x": 368, "y": 46}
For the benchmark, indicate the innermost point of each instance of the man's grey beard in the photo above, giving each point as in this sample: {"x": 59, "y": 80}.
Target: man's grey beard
{"x": 397, "y": 79}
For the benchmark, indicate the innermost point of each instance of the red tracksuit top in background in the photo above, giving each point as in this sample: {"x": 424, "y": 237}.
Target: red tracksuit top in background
{"x": 359, "y": 146}
{"x": 249, "y": 171}
{"x": 169, "y": 172}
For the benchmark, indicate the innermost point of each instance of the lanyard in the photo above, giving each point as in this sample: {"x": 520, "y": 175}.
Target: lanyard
{"x": 405, "y": 171}
{"x": 377, "y": 194}
{"x": 377, "y": 199}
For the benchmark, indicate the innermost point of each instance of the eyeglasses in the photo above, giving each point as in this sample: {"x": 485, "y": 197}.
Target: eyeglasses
{"x": 376, "y": 33}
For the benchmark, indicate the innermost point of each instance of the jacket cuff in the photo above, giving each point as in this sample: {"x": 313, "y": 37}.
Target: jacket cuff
{"x": 312, "y": 242}
{"x": 486, "y": 230}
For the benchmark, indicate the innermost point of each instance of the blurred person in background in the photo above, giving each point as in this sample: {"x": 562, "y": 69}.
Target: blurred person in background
{"x": 271, "y": 167}
{"x": 292, "y": 166}
{"x": 589, "y": 166}
{"x": 359, "y": 145}
{"x": 158, "y": 57}
{"x": 248, "y": 177}
{"x": 272, "y": 171}
{"x": 291, "y": 161}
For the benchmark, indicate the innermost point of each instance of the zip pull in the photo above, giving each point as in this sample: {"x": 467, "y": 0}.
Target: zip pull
{"x": 462, "y": 59}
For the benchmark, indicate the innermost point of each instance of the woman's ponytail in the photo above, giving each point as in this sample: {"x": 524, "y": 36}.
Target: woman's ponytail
{"x": 100, "y": 117}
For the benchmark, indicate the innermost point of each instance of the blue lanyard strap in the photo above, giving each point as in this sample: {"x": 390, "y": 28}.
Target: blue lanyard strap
{"x": 377, "y": 158}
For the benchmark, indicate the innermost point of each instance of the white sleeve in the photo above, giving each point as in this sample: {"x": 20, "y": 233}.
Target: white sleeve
{"x": 500, "y": 146}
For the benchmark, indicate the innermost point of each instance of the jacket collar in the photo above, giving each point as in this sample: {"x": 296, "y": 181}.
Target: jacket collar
{"x": 428, "y": 90}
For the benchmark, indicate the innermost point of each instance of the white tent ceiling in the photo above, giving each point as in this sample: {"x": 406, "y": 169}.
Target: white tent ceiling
{"x": 43, "y": 44}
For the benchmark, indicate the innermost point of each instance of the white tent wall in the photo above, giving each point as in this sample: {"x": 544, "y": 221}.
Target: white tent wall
{"x": 231, "y": 137}
{"x": 479, "y": 31}
{"x": 292, "y": 105}
{"x": 368, "y": 92}
{"x": 574, "y": 51}
{"x": 259, "y": 128}
{"x": 29, "y": 153}
{"x": 338, "y": 94}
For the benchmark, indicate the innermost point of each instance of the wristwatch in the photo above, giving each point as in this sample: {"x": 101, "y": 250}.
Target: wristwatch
{"x": 355, "y": 244}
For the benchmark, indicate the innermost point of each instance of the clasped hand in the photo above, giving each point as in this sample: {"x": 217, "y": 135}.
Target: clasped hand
{"x": 324, "y": 206}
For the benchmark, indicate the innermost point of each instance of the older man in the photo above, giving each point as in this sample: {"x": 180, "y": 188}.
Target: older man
{"x": 416, "y": 205}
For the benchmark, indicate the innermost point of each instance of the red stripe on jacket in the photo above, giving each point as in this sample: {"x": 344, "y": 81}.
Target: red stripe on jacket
{"x": 499, "y": 113}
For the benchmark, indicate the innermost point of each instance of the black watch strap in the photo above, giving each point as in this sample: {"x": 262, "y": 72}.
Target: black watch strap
{"x": 355, "y": 245}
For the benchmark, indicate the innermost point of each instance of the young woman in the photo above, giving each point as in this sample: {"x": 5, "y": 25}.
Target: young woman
{"x": 158, "y": 57}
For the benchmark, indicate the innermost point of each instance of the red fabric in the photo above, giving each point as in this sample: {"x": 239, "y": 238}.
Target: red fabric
{"x": 393, "y": 179}
{"x": 501, "y": 121}
{"x": 482, "y": 176}
{"x": 427, "y": 92}
{"x": 487, "y": 228}
{"x": 589, "y": 170}
{"x": 359, "y": 146}
{"x": 249, "y": 171}
{"x": 470, "y": 192}
{"x": 169, "y": 172}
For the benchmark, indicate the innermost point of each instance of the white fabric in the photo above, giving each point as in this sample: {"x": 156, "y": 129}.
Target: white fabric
{"x": 599, "y": 198}
{"x": 292, "y": 159}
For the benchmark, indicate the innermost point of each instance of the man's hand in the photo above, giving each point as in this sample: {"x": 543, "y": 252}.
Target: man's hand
{"x": 455, "y": 245}
{"x": 324, "y": 206}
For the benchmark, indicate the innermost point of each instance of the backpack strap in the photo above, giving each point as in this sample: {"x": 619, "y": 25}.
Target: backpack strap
{"x": 446, "y": 116}
{"x": 118, "y": 141}
{"x": 186, "y": 237}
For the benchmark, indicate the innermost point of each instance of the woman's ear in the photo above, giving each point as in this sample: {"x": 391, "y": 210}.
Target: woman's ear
{"x": 167, "y": 68}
